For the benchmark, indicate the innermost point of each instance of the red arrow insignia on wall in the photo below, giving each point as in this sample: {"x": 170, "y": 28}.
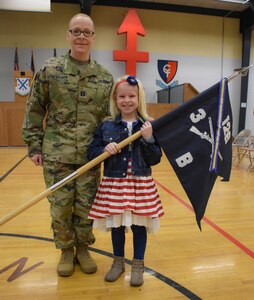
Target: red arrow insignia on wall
{"x": 132, "y": 27}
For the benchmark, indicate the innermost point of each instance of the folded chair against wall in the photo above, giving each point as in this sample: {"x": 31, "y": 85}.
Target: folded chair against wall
{"x": 248, "y": 152}
{"x": 240, "y": 141}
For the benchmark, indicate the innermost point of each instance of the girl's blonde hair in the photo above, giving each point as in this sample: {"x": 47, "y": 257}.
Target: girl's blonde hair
{"x": 114, "y": 111}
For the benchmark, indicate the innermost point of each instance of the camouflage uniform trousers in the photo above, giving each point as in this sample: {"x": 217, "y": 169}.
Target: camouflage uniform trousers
{"x": 70, "y": 204}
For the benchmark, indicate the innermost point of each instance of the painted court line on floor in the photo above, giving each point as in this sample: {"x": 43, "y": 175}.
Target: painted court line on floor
{"x": 209, "y": 222}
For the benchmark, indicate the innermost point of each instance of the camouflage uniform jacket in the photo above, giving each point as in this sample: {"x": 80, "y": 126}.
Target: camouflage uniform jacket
{"x": 73, "y": 103}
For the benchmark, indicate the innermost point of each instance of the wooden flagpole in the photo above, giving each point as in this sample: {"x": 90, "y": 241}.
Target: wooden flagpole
{"x": 67, "y": 179}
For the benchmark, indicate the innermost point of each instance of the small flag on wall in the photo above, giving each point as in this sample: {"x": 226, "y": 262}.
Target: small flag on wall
{"x": 16, "y": 60}
{"x": 32, "y": 62}
{"x": 54, "y": 52}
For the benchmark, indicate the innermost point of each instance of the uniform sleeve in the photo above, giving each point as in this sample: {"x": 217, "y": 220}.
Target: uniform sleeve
{"x": 97, "y": 145}
{"x": 35, "y": 112}
{"x": 107, "y": 92}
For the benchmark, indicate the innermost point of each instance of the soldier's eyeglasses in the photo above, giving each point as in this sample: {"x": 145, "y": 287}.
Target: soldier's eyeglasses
{"x": 77, "y": 32}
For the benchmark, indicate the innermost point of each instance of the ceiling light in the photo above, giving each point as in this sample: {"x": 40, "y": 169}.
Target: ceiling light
{"x": 26, "y": 5}
{"x": 235, "y": 1}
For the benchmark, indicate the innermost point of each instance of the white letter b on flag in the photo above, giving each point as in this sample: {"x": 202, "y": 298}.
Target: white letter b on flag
{"x": 184, "y": 160}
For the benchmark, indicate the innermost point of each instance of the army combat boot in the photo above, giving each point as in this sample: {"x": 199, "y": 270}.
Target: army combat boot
{"x": 66, "y": 264}
{"x": 83, "y": 257}
{"x": 116, "y": 269}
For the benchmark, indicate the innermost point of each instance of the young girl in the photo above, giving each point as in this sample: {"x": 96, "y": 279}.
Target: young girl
{"x": 127, "y": 195}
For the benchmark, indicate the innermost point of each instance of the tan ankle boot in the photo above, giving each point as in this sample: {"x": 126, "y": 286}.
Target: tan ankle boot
{"x": 137, "y": 271}
{"x": 83, "y": 257}
{"x": 66, "y": 264}
{"x": 116, "y": 269}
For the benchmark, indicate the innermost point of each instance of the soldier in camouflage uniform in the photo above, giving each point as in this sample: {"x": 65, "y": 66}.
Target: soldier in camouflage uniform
{"x": 71, "y": 92}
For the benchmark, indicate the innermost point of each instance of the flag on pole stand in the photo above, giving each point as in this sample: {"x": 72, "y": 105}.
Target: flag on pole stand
{"x": 32, "y": 62}
{"x": 16, "y": 60}
{"x": 196, "y": 138}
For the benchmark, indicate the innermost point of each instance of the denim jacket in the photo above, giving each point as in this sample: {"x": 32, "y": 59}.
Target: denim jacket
{"x": 144, "y": 154}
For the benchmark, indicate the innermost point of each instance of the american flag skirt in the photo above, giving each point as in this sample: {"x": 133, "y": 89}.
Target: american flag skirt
{"x": 127, "y": 201}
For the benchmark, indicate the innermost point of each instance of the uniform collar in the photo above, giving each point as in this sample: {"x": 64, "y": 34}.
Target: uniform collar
{"x": 71, "y": 68}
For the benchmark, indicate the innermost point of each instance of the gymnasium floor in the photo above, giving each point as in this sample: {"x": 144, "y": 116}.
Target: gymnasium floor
{"x": 181, "y": 262}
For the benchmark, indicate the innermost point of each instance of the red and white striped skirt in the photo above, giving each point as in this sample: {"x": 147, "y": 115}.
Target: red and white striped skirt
{"x": 127, "y": 201}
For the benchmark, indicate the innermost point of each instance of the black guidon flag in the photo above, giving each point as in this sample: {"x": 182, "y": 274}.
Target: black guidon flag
{"x": 196, "y": 138}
